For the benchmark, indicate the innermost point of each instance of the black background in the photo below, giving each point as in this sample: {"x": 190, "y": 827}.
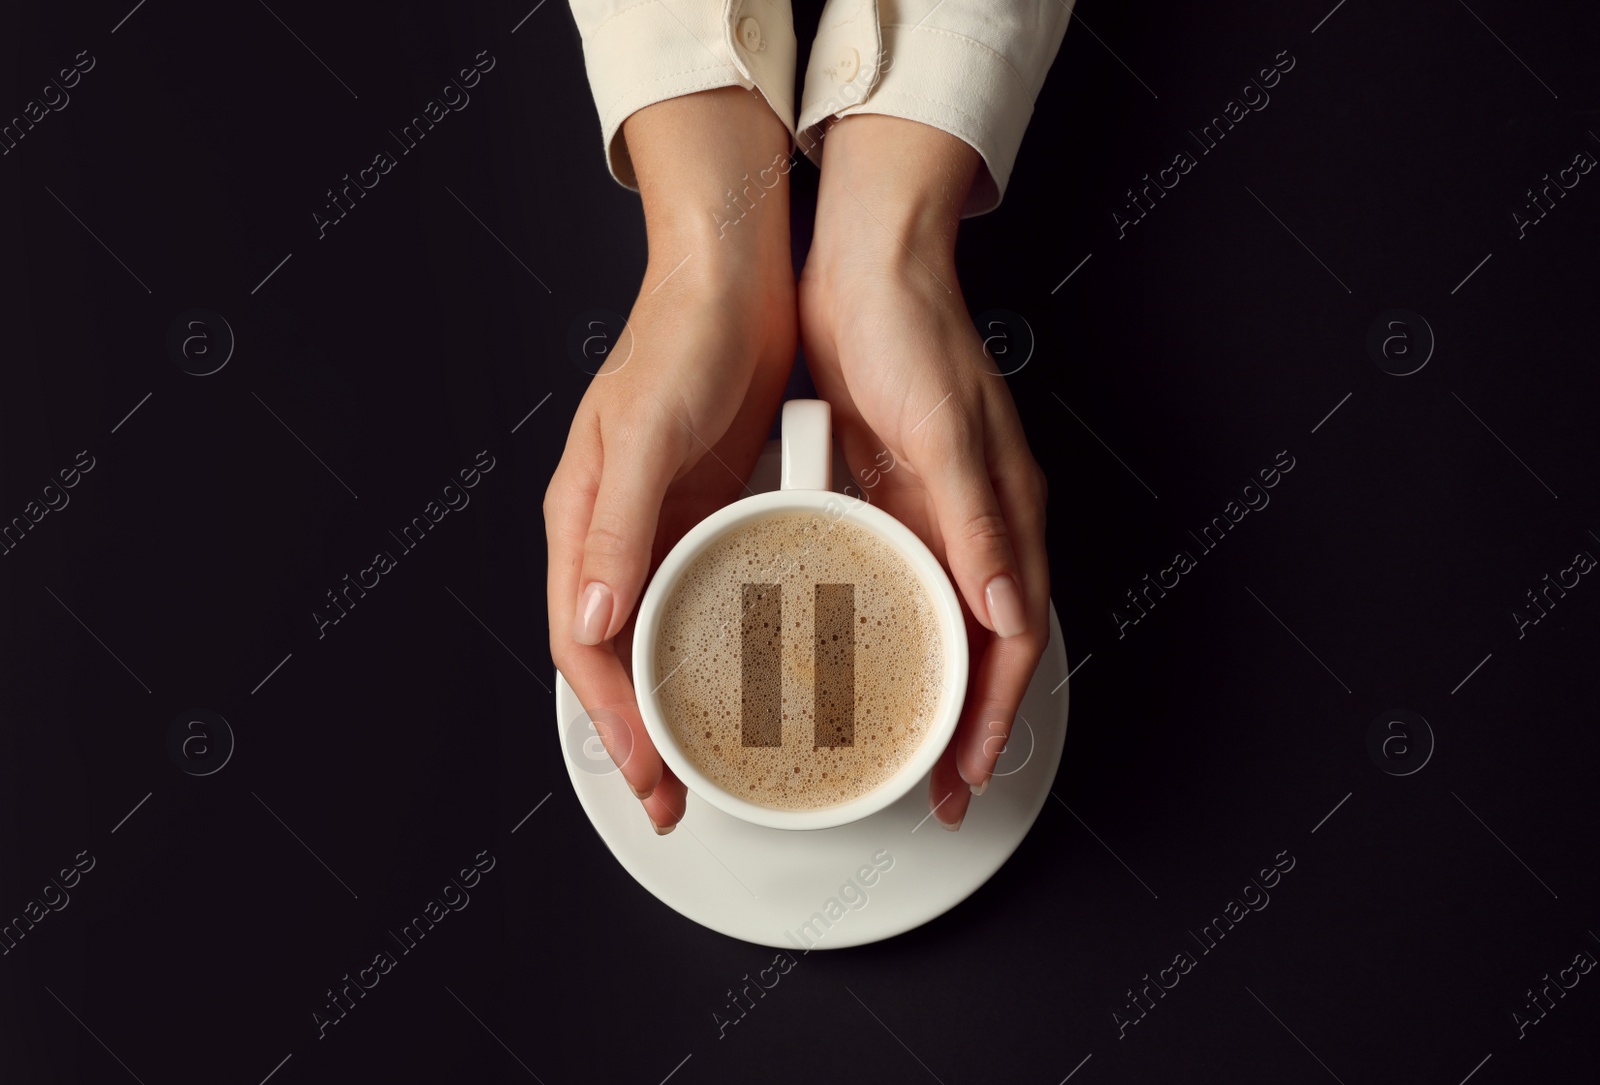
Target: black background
{"x": 1204, "y": 741}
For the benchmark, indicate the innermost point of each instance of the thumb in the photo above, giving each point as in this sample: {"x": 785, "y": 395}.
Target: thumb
{"x": 977, "y": 540}
{"x": 622, "y": 529}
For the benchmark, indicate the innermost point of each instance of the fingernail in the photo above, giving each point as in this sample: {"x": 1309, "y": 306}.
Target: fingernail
{"x": 593, "y": 615}
{"x": 979, "y": 789}
{"x": 659, "y": 830}
{"x": 1005, "y": 606}
{"x": 956, "y": 825}
{"x": 641, "y": 795}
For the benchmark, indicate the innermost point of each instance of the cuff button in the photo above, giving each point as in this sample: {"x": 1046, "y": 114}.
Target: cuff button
{"x": 750, "y": 35}
{"x": 848, "y": 65}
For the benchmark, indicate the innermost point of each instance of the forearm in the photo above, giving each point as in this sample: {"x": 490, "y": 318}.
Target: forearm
{"x": 891, "y": 192}
{"x": 713, "y": 175}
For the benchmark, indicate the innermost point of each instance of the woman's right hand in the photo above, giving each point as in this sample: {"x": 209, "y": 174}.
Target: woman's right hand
{"x": 672, "y": 424}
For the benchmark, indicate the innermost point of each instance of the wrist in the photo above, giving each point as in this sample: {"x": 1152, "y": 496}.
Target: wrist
{"x": 748, "y": 267}
{"x": 713, "y": 176}
{"x": 734, "y": 213}
{"x": 891, "y": 193}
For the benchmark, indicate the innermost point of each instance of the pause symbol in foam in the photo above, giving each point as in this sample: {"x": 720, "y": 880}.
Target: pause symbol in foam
{"x": 833, "y": 676}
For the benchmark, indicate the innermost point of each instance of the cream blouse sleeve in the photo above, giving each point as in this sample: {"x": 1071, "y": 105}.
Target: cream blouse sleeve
{"x": 639, "y": 52}
{"x": 972, "y": 68}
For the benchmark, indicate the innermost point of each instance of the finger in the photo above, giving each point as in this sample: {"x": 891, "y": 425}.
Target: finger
{"x": 665, "y": 805}
{"x": 596, "y": 674}
{"x": 597, "y": 677}
{"x": 1001, "y": 678}
{"x": 948, "y": 794}
{"x": 952, "y": 462}
{"x": 1002, "y": 674}
{"x": 638, "y": 463}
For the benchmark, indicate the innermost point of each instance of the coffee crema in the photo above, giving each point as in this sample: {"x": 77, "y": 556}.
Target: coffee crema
{"x": 799, "y": 661}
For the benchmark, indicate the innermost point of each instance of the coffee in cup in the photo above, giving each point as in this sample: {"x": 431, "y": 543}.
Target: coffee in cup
{"x": 799, "y": 661}
{"x": 755, "y": 676}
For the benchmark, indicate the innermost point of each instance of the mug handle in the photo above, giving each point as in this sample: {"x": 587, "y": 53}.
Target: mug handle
{"x": 807, "y": 432}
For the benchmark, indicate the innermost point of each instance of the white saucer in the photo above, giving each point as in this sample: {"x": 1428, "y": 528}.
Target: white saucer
{"x": 807, "y": 890}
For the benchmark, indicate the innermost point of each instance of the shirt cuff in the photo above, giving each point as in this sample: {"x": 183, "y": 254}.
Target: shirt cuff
{"x": 972, "y": 68}
{"x": 639, "y": 52}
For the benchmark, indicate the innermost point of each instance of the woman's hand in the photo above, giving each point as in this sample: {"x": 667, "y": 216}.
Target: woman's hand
{"x": 921, "y": 411}
{"x": 672, "y": 424}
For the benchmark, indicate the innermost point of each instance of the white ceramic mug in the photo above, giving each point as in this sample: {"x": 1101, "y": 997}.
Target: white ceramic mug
{"x": 807, "y": 459}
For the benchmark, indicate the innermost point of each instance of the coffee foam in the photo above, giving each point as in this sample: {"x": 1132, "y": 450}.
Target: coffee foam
{"x": 880, "y": 660}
